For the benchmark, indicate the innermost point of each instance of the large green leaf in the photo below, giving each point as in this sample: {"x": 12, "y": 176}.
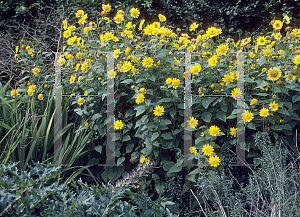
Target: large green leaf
{"x": 140, "y": 110}
{"x": 221, "y": 115}
{"x": 206, "y": 116}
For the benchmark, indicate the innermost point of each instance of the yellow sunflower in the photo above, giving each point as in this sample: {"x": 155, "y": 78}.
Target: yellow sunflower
{"x": 118, "y": 125}
{"x": 158, "y": 110}
{"x": 140, "y": 98}
{"x": 207, "y": 150}
{"x": 193, "y": 122}
{"x": 214, "y": 130}
{"x": 247, "y": 116}
{"x": 214, "y": 161}
{"x": 273, "y": 106}
{"x": 264, "y": 112}
{"x": 274, "y": 74}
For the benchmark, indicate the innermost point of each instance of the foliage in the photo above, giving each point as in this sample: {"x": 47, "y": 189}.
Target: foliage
{"x": 33, "y": 194}
{"x": 271, "y": 191}
{"x": 28, "y": 134}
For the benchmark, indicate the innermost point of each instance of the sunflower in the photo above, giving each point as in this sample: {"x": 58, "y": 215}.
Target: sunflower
{"x": 143, "y": 159}
{"x": 193, "y": 150}
{"x": 35, "y": 71}
{"x": 274, "y": 74}
{"x": 228, "y": 79}
{"x": 273, "y": 106}
{"x": 193, "y": 26}
{"x": 247, "y": 116}
{"x": 140, "y": 98}
{"x": 79, "y": 13}
{"x": 267, "y": 52}
{"x": 222, "y": 49}
{"x": 214, "y": 161}
{"x": 264, "y": 112}
{"x": 169, "y": 81}
{"x": 213, "y": 60}
{"x": 117, "y": 53}
{"x": 253, "y": 102}
{"x": 195, "y": 69}
{"x": 233, "y": 131}
{"x": 148, "y": 62}
{"x": 72, "y": 79}
{"x": 207, "y": 150}
{"x": 287, "y": 19}
{"x": 261, "y": 40}
{"x": 296, "y": 60}
{"x": 175, "y": 82}
{"x": 158, "y": 110}
{"x": 119, "y": 18}
{"x": 162, "y": 18}
{"x": 277, "y": 24}
{"x": 212, "y": 31}
{"x": 134, "y": 12}
{"x": 14, "y": 92}
{"x": 40, "y": 97}
{"x": 214, "y": 130}
{"x": 236, "y": 92}
{"x": 277, "y": 36}
{"x": 80, "y": 101}
{"x": 126, "y": 67}
{"x": 252, "y": 55}
{"x": 193, "y": 122}
{"x": 118, "y": 125}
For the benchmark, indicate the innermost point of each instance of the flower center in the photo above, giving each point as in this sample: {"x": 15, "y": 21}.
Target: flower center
{"x": 274, "y": 74}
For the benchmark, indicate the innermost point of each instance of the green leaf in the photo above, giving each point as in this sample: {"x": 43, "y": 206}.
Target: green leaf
{"x": 126, "y": 138}
{"x": 190, "y": 177}
{"x": 262, "y": 85}
{"x": 113, "y": 172}
{"x": 199, "y": 139}
{"x": 140, "y": 110}
{"x": 164, "y": 100}
{"x": 155, "y": 176}
{"x": 281, "y": 46}
{"x": 154, "y": 136}
{"x": 167, "y": 136}
{"x": 2, "y": 124}
{"x": 292, "y": 86}
{"x": 172, "y": 112}
{"x": 195, "y": 171}
{"x": 96, "y": 116}
{"x": 127, "y": 81}
{"x": 206, "y": 116}
{"x": 283, "y": 111}
{"x": 129, "y": 148}
{"x": 251, "y": 126}
{"x": 93, "y": 162}
{"x": 262, "y": 61}
{"x": 161, "y": 53}
{"x": 175, "y": 169}
{"x": 167, "y": 165}
{"x": 221, "y": 116}
{"x": 160, "y": 187}
{"x": 232, "y": 117}
{"x": 206, "y": 101}
{"x": 186, "y": 187}
{"x": 120, "y": 160}
{"x": 176, "y": 131}
{"x": 165, "y": 122}
{"x": 150, "y": 92}
{"x": 98, "y": 148}
{"x": 224, "y": 108}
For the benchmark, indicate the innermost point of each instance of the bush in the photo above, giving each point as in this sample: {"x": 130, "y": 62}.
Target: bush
{"x": 34, "y": 193}
{"x": 272, "y": 189}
